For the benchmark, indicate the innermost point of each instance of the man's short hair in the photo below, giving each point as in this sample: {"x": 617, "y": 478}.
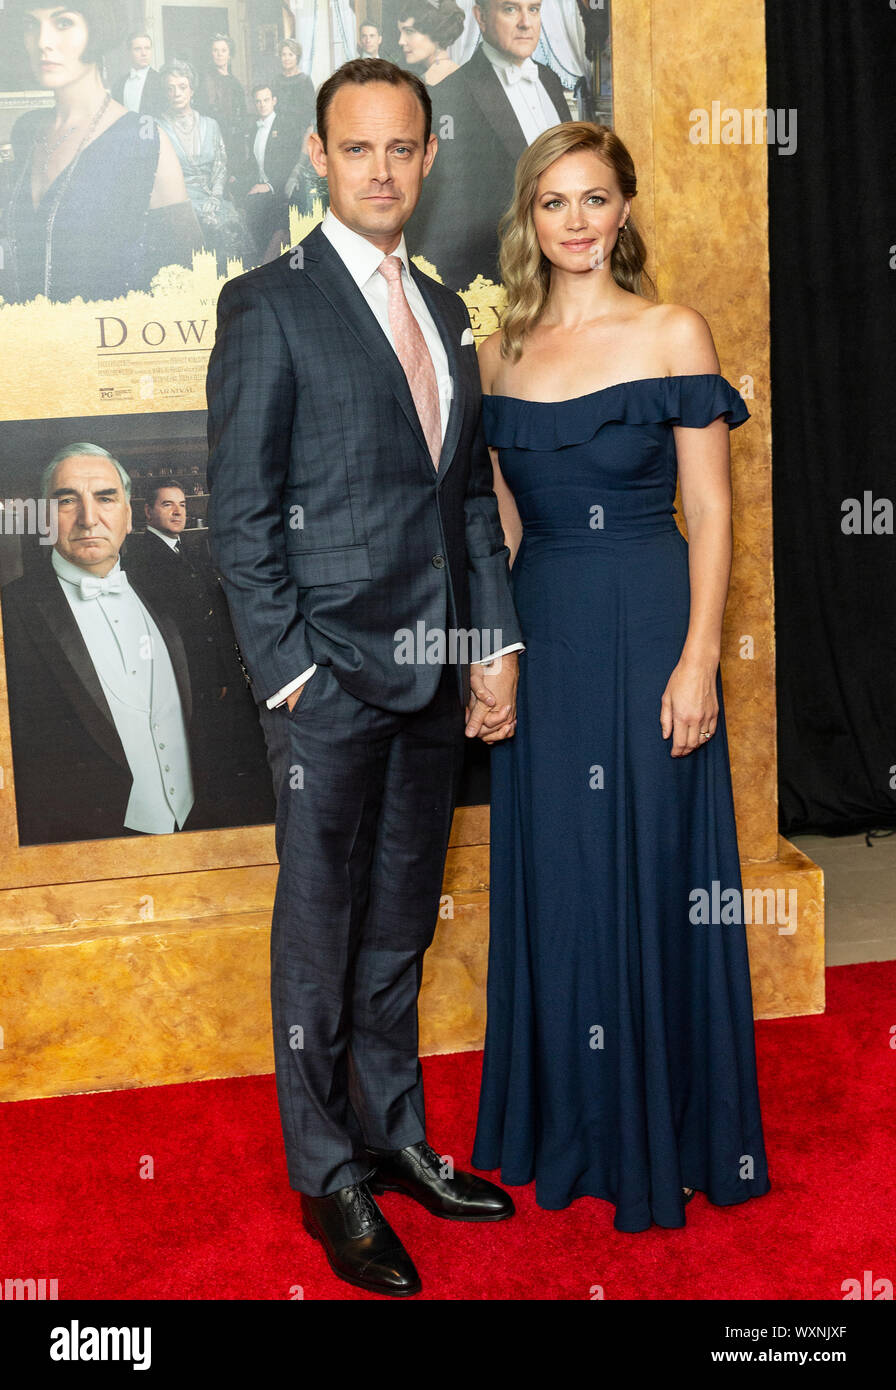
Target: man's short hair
{"x": 162, "y": 485}
{"x": 72, "y": 451}
{"x": 359, "y": 71}
{"x": 139, "y": 34}
{"x": 263, "y": 87}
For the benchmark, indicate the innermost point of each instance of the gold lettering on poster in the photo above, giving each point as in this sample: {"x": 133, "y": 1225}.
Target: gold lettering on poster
{"x": 146, "y": 352}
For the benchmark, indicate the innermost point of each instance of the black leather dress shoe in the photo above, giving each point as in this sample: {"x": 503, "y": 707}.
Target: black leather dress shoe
{"x": 358, "y": 1241}
{"x": 417, "y": 1171}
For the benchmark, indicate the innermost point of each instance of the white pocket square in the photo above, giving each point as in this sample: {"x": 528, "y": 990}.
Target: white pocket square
{"x": 466, "y": 337}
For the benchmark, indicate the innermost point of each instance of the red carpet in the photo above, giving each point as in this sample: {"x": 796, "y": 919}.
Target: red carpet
{"x": 218, "y": 1220}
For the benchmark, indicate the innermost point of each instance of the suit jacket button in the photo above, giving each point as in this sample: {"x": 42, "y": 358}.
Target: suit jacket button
{"x": 438, "y": 562}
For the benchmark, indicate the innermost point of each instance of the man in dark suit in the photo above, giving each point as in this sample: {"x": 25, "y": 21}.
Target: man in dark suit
{"x": 274, "y": 152}
{"x": 352, "y": 508}
{"x": 99, "y": 689}
{"x": 225, "y": 739}
{"x": 141, "y": 88}
{"x": 179, "y": 582}
{"x": 485, "y": 115}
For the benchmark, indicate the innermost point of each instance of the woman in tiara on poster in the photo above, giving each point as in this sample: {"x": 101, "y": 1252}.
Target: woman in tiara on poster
{"x": 619, "y": 1055}
{"x": 200, "y": 148}
{"x": 99, "y": 202}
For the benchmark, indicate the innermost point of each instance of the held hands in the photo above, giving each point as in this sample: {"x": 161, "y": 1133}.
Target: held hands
{"x": 491, "y": 713}
{"x": 690, "y": 706}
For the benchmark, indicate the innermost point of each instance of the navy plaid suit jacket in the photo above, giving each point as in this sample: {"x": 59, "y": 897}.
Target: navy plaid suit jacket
{"x": 329, "y": 526}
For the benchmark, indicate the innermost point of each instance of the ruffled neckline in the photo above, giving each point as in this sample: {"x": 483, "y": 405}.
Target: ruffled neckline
{"x": 694, "y": 400}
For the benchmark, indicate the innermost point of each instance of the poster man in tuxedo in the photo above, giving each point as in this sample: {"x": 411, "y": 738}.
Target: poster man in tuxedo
{"x": 351, "y": 499}
{"x": 226, "y": 744}
{"x": 141, "y": 89}
{"x": 276, "y": 147}
{"x": 485, "y": 115}
{"x": 99, "y": 689}
{"x": 181, "y": 583}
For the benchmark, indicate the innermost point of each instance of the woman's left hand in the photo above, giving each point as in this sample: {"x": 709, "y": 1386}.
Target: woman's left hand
{"x": 690, "y": 706}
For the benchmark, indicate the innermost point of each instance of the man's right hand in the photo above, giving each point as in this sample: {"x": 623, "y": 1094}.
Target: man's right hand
{"x": 292, "y": 700}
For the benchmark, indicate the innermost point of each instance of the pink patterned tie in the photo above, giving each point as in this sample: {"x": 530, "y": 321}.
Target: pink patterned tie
{"x": 414, "y": 356}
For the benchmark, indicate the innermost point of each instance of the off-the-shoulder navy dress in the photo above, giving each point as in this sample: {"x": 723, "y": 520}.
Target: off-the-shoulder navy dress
{"x": 619, "y": 1056}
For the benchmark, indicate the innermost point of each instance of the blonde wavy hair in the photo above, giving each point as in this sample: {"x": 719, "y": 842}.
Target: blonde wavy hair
{"x": 525, "y": 270}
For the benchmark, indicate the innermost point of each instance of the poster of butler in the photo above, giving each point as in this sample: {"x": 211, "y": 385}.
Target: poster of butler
{"x": 128, "y": 711}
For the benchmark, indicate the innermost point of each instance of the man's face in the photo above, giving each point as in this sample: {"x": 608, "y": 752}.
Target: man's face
{"x": 265, "y": 101}
{"x": 375, "y": 160}
{"x": 141, "y": 53}
{"x": 168, "y": 512}
{"x": 511, "y": 26}
{"x": 94, "y": 516}
{"x": 370, "y": 39}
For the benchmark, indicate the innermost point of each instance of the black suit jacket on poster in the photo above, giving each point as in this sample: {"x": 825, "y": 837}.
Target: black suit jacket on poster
{"x": 72, "y": 778}
{"x": 470, "y": 185}
{"x": 281, "y": 154}
{"x": 188, "y": 591}
{"x": 329, "y": 525}
{"x": 153, "y": 101}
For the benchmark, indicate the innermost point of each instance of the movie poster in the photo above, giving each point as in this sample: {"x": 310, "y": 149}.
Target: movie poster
{"x": 148, "y": 153}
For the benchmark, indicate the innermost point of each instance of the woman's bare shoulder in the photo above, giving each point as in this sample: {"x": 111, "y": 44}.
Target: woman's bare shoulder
{"x": 684, "y": 337}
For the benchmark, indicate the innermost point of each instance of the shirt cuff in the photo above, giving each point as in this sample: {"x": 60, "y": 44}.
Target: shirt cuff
{"x": 516, "y": 647}
{"x": 280, "y": 698}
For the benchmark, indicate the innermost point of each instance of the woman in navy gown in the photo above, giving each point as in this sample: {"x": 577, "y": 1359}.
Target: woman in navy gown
{"x": 619, "y": 1056}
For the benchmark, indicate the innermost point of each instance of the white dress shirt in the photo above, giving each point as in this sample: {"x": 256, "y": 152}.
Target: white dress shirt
{"x": 172, "y": 541}
{"x": 362, "y": 259}
{"x": 133, "y": 88}
{"x": 526, "y": 93}
{"x": 261, "y": 144}
{"x": 134, "y": 669}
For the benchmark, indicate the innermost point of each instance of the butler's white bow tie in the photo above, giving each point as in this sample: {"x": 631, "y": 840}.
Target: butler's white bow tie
{"x": 526, "y": 72}
{"x": 91, "y": 586}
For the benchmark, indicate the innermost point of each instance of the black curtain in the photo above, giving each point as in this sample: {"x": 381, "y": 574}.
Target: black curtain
{"x": 833, "y": 320}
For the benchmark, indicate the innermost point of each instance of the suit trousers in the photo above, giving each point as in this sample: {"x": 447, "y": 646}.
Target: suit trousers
{"x": 365, "y": 799}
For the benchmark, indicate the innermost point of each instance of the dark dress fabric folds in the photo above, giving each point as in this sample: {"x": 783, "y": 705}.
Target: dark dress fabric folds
{"x": 619, "y": 1056}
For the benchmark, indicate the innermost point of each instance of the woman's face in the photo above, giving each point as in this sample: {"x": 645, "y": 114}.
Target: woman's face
{"x": 578, "y": 210}
{"x": 55, "y": 39}
{"x": 179, "y": 93}
{"x": 220, "y": 54}
{"x": 416, "y": 47}
{"x": 288, "y": 60}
